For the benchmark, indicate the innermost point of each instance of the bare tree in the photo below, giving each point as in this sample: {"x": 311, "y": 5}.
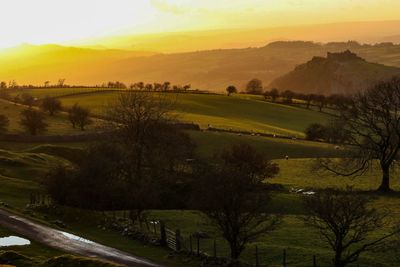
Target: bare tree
{"x": 139, "y": 120}
{"x": 33, "y": 121}
{"x": 370, "y": 122}
{"x": 166, "y": 86}
{"x": 79, "y": 116}
{"x": 321, "y": 101}
{"x": 347, "y": 223}
{"x": 231, "y": 195}
{"x": 61, "y": 83}
{"x": 51, "y": 105}
{"x": 288, "y": 96}
{"x": 273, "y": 94}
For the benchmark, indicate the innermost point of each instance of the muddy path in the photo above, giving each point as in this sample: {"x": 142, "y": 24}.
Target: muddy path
{"x": 68, "y": 242}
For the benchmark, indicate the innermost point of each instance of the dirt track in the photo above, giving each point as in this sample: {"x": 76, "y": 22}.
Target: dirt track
{"x": 67, "y": 242}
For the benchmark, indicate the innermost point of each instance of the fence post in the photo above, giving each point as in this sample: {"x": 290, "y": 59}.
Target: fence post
{"x": 284, "y": 258}
{"x": 163, "y": 234}
{"x": 215, "y": 247}
{"x": 314, "y": 261}
{"x": 198, "y": 246}
{"x": 178, "y": 239}
{"x": 191, "y": 244}
{"x": 154, "y": 226}
{"x": 257, "y": 262}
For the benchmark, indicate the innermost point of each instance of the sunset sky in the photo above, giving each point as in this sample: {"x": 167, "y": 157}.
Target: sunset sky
{"x": 61, "y": 21}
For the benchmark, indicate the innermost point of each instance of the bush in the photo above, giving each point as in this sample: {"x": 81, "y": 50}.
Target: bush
{"x": 316, "y": 131}
{"x": 33, "y": 121}
{"x": 79, "y": 116}
{"x": 51, "y": 105}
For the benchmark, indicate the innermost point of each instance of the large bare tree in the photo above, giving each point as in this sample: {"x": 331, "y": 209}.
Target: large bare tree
{"x": 348, "y": 224}
{"x": 231, "y": 194}
{"x": 370, "y": 122}
{"x": 143, "y": 122}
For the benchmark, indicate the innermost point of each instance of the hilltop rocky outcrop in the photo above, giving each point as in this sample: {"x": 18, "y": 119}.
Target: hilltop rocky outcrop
{"x": 337, "y": 73}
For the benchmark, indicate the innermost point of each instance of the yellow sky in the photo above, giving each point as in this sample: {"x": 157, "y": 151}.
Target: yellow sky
{"x": 63, "y": 21}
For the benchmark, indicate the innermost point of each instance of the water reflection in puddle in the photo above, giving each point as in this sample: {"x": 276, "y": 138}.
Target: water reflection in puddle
{"x": 77, "y": 238}
{"x": 13, "y": 241}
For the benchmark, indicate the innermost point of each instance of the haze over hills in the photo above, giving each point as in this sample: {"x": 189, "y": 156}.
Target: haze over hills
{"x": 178, "y": 42}
{"x": 211, "y": 70}
{"x": 338, "y": 73}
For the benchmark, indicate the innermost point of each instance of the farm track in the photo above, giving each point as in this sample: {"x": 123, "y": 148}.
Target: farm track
{"x": 69, "y": 243}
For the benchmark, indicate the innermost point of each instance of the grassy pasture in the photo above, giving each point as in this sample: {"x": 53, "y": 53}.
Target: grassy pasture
{"x": 54, "y": 92}
{"x": 293, "y": 235}
{"x": 208, "y": 143}
{"x": 23, "y": 166}
{"x": 240, "y": 112}
{"x": 21, "y": 173}
{"x": 57, "y": 124}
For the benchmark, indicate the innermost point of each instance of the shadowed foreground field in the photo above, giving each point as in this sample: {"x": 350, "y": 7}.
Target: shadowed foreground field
{"x": 301, "y": 242}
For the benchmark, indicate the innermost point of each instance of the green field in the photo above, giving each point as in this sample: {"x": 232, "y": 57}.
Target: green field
{"x": 21, "y": 173}
{"x": 23, "y": 166}
{"x": 208, "y": 143}
{"x": 53, "y": 92}
{"x": 241, "y": 112}
{"x": 57, "y": 124}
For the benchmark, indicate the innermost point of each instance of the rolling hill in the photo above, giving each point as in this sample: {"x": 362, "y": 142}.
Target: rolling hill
{"x": 211, "y": 70}
{"x": 220, "y": 111}
{"x": 338, "y": 73}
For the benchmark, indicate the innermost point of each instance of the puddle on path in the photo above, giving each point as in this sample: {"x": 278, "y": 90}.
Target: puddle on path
{"x": 13, "y": 241}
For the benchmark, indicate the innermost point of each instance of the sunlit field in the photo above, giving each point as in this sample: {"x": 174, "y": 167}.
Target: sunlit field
{"x": 220, "y": 111}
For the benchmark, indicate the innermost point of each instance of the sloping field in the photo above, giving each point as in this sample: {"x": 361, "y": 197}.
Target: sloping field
{"x": 57, "y": 124}
{"x": 235, "y": 112}
{"x": 54, "y": 92}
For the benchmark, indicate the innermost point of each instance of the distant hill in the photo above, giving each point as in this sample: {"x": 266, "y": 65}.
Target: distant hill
{"x": 211, "y": 70}
{"x": 343, "y": 73}
{"x": 178, "y": 42}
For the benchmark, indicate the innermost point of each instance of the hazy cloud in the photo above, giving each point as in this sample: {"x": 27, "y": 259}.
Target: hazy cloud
{"x": 167, "y": 7}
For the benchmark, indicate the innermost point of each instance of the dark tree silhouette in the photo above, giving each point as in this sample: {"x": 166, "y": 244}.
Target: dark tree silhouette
{"x": 231, "y": 89}
{"x": 33, "y": 121}
{"x": 316, "y": 131}
{"x": 231, "y": 195}
{"x": 142, "y": 123}
{"x": 370, "y": 122}
{"x": 288, "y": 96}
{"x": 273, "y": 94}
{"x": 79, "y": 116}
{"x": 51, "y": 105}
{"x": 348, "y": 224}
{"x": 254, "y": 86}
{"x": 321, "y": 101}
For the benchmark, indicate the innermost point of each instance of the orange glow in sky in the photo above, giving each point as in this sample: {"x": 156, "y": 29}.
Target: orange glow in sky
{"x": 64, "y": 21}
